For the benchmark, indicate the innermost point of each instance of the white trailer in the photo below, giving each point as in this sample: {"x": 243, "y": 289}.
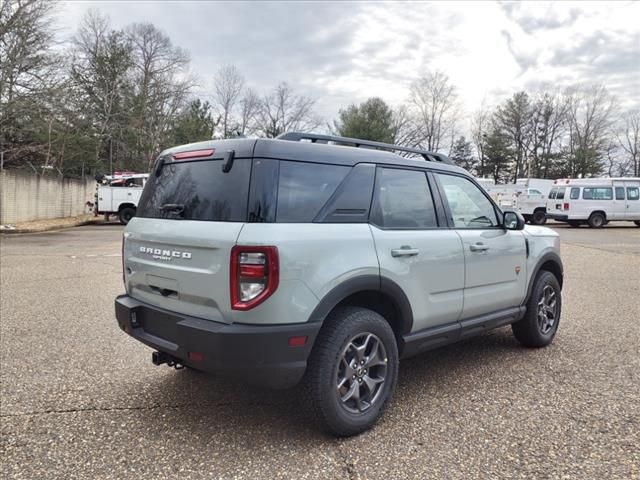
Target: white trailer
{"x": 119, "y": 195}
{"x": 527, "y": 196}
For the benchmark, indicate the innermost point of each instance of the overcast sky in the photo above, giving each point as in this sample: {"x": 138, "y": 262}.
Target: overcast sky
{"x": 342, "y": 53}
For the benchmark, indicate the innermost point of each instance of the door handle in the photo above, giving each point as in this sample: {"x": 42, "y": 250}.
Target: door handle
{"x": 478, "y": 247}
{"x": 404, "y": 251}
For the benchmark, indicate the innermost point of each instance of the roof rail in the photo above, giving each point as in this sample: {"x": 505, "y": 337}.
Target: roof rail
{"x": 314, "y": 138}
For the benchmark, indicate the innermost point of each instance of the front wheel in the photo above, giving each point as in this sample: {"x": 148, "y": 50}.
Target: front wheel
{"x": 352, "y": 371}
{"x": 540, "y": 322}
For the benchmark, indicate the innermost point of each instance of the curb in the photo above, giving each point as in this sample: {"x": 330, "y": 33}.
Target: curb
{"x": 47, "y": 229}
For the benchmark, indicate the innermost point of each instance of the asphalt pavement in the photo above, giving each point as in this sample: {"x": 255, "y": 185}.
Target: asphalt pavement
{"x": 80, "y": 399}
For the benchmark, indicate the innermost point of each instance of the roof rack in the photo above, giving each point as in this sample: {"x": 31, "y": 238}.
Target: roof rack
{"x": 315, "y": 138}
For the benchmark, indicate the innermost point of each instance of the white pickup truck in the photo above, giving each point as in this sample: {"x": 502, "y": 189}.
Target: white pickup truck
{"x": 119, "y": 195}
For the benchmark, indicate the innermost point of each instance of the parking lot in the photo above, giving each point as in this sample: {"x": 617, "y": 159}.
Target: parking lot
{"x": 80, "y": 399}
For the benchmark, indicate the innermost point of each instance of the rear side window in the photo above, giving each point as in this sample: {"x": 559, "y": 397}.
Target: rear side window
{"x": 304, "y": 188}
{"x": 597, "y": 193}
{"x": 633, "y": 193}
{"x": 560, "y": 193}
{"x": 402, "y": 199}
{"x": 197, "y": 190}
{"x": 575, "y": 193}
{"x": 619, "y": 193}
{"x": 553, "y": 192}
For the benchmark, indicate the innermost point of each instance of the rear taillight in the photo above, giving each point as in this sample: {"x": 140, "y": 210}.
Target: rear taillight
{"x": 254, "y": 275}
{"x": 565, "y": 206}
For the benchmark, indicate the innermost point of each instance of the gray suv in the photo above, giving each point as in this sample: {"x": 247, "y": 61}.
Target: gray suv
{"x": 325, "y": 260}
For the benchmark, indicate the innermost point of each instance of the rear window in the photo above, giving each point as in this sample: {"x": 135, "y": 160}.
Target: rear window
{"x": 197, "y": 190}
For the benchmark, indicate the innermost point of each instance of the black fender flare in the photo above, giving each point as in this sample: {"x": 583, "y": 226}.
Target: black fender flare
{"x": 547, "y": 257}
{"x": 364, "y": 283}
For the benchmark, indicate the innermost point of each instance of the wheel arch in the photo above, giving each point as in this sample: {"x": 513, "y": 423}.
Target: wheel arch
{"x": 376, "y": 293}
{"x": 126, "y": 205}
{"x": 550, "y": 262}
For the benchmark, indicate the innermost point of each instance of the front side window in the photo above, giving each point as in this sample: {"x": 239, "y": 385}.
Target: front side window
{"x": 619, "y": 193}
{"x": 597, "y": 193}
{"x": 575, "y": 193}
{"x": 633, "y": 193}
{"x": 469, "y": 207}
{"x": 402, "y": 199}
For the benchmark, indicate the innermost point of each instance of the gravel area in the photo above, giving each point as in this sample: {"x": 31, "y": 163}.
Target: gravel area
{"x": 80, "y": 399}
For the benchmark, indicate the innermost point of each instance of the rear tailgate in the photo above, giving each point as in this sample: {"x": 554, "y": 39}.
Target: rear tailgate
{"x": 181, "y": 266}
{"x": 177, "y": 249}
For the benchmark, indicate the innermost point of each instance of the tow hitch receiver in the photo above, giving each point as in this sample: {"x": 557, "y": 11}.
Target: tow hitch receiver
{"x": 158, "y": 358}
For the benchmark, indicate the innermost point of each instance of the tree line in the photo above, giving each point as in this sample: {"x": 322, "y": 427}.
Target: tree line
{"x": 112, "y": 99}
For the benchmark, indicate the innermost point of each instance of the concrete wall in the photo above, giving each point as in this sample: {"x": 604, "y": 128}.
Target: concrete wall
{"x": 26, "y": 196}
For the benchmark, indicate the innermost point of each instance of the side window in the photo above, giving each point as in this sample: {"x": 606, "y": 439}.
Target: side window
{"x": 470, "y": 208}
{"x": 575, "y": 193}
{"x": 633, "y": 193}
{"x": 560, "y": 193}
{"x": 402, "y": 199}
{"x": 553, "y": 192}
{"x": 597, "y": 193}
{"x": 619, "y": 193}
{"x": 304, "y": 188}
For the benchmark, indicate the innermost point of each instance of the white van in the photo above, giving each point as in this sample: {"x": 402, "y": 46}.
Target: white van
{"x": 594, "y": 201}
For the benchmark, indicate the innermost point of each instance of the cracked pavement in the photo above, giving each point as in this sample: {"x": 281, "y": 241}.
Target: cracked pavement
{"x": 80, "y": 399}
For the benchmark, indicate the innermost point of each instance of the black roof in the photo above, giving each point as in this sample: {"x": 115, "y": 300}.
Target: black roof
{"x": 314, "y": 152}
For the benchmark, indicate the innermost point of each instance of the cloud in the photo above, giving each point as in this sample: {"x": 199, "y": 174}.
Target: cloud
{"x": 344, "y": 52}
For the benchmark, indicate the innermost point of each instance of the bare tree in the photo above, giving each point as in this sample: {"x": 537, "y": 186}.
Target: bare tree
{"x": 629, "y": 140}
{"x": 548, "y": 125}
{"x": 435, "y": 101}
{"x": 479, "y": 129}
{"x": 589, "y": 115}
{"x": 407, "y": 131}
{"x": 228, "y": 85}
{"x": 28, "y": 71}
{"x": 282, "y": 111}
{"x": 160, "y": 87}
{"x": 249, "y": 107}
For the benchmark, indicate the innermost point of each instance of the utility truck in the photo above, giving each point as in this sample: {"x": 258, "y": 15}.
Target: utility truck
{"x": 119, "y": 195}
{"x": 528, "y": 196}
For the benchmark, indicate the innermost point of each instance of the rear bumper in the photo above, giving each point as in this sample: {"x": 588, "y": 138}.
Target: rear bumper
{"x": 557, "y": 216}
{"x": 255, "y": 354}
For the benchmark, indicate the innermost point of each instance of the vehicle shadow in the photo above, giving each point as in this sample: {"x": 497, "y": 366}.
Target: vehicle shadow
{"x": 205, "y": 405}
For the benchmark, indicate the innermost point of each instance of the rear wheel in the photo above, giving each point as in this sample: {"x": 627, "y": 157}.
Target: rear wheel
{"x": 126, "y": 214}
{"x": 539, "y": 217}
{"x": 597, "y": 220}
{"x": 352, "y": 371}
{"x": 540, "y": 323}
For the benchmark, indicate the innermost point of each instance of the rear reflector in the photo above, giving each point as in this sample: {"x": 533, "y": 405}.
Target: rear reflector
{"x": 195, "y": 356}
{"x": 297, "y": 341}
{"x": 193, "y": 154}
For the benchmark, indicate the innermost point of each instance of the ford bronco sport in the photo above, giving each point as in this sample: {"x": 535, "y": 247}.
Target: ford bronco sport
{"x": 325, "y": 260}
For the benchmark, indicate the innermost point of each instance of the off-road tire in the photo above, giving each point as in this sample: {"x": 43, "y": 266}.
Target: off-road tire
{"x": 529, "y": 331}
{"x": 597, "y": 220}
{"x": 325, "y": 361}
{"x": 126, "y": 214}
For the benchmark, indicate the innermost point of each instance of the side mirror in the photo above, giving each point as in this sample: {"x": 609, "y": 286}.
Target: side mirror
{"x": 513, "y": 221}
